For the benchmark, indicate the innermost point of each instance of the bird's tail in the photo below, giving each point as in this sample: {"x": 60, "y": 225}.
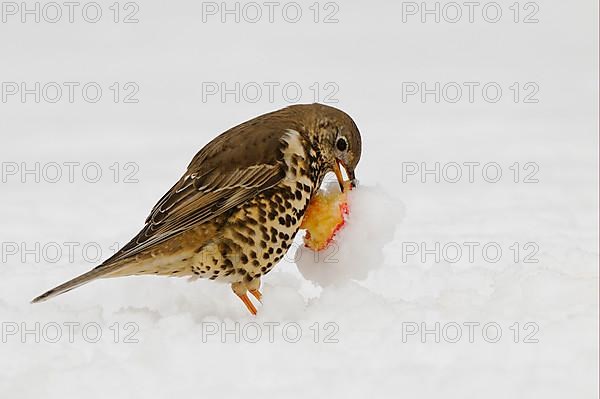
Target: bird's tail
{"x": 98, "y": 272}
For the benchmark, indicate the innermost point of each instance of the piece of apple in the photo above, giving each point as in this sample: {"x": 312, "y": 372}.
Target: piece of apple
{"x": 325, "y": 216}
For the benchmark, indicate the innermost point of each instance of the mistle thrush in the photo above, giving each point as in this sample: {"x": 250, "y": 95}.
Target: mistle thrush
{"x": 236, "y": 210}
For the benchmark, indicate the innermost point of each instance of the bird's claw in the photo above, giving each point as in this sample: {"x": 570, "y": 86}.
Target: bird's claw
{"x": 248, "y": 303}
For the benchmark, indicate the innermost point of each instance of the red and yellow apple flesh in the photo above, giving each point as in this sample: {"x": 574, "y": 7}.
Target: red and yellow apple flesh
{"x": 325, "y": 216}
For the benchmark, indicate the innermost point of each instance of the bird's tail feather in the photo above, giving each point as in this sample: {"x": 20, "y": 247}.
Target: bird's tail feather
{"x": 98, "y": 272}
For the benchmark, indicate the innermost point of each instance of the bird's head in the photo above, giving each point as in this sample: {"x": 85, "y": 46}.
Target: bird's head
{"x": 338, "y": 140}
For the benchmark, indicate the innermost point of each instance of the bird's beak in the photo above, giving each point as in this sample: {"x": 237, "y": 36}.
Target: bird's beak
{"x": 352, "y": 177}
{"x": 340, "y": 177}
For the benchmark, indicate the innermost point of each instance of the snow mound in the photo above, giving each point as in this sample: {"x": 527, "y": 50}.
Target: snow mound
{"x": 357, "y": 248}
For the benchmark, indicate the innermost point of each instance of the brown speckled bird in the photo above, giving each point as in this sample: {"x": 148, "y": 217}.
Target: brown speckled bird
{"x": 236, "y": 210}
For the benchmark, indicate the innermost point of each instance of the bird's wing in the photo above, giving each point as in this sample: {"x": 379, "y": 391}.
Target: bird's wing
{"x": 198, "y": 197}
{"x": 195, "y": 199}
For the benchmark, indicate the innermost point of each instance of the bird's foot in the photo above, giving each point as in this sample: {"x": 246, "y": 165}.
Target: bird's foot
{"x": 241, "y": 289}
{"x": 257, "y": 295}
{"x": 248, "y": 303}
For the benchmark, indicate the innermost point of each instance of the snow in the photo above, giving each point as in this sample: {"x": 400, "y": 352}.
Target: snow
{"x": 375, "y": 215}
{"x": 369, "y": 321}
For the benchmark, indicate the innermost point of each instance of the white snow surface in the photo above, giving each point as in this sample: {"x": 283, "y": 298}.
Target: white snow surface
{"x": 375, "y": 215}
{"x": 366, "y": 318}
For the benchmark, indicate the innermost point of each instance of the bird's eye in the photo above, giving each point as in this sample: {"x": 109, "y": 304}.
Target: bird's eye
{"x": 341, "y": 144}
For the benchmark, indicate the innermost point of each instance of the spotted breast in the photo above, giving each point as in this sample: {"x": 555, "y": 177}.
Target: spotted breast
{"x": 258, "y": 234}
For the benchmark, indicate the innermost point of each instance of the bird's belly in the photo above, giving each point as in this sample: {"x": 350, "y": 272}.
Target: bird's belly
{"x": 256, "y": 236}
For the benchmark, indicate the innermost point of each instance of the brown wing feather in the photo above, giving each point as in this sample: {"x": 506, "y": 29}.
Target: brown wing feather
{"x": 195, "y": 200}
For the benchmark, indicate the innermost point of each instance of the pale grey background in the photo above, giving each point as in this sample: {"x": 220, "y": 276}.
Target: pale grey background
{"x": 367, "y": 54}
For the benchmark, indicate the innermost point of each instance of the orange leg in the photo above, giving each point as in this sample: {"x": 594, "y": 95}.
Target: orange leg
{"x": 257, "y": 295}
{"x": 248, "y": 303}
